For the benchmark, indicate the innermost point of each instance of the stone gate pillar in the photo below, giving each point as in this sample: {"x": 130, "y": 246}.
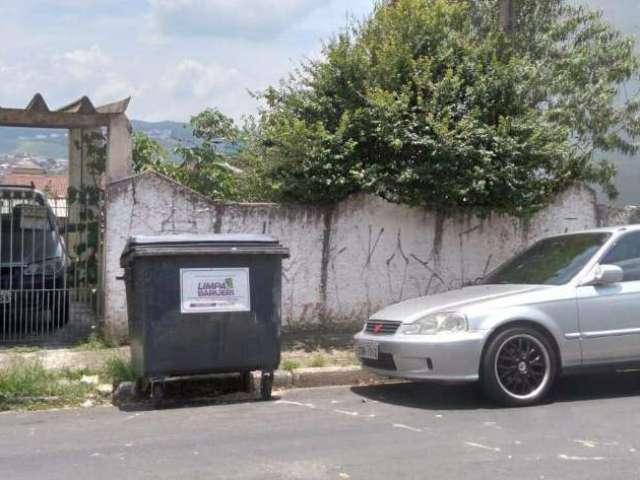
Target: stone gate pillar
{"x": 119, "y": 149}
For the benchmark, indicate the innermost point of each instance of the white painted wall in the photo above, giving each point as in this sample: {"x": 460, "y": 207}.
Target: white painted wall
{"x": 347, "y": 261}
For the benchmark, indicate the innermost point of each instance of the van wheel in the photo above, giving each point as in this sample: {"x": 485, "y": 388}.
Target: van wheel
{"x": 519, "y": 367}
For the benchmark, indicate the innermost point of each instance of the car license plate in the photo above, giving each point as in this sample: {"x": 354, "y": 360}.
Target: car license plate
{"x": 368, "y": 350}
{"x": 5, "y": 296}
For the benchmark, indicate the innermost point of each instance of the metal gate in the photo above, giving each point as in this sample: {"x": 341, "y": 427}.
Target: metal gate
{"x": 50, "y": 264}
{"x": 51, "y": 255}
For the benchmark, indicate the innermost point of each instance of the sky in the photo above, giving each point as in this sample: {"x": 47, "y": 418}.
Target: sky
{"x": 173, "y": 57}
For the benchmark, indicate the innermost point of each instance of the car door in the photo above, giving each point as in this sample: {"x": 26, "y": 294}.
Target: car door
{"x": 609, "y": 315}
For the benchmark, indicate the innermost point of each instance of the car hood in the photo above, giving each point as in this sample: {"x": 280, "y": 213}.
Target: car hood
{"x": 411, "y": 310}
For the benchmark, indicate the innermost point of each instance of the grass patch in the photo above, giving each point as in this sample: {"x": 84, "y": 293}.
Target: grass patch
{"x": 30, "y": 385}
{"x": 118, "y": 370}
{"x": 289, "y": 364}
{"x": 318, "y": 360}
{"x": 24, "y": 349}
{"x": 94, "y": 342}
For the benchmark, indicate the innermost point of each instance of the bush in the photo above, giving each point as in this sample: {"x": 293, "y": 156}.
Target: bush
{"x": 429, "y": 103}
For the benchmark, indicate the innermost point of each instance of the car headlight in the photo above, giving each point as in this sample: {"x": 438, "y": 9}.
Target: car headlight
{"x": 48, "y": 267}
{"x": 443, "y": 322}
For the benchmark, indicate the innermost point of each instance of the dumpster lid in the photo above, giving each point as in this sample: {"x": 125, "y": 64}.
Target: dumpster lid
{"x": 198, "y": 239}
{"x": 234, "y": 244}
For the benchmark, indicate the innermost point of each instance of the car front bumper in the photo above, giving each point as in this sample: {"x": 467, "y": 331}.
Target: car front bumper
{"x": 445, "y": 358}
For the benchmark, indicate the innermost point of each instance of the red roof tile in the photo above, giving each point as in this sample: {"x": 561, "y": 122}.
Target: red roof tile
{"x": 55, "y": 186}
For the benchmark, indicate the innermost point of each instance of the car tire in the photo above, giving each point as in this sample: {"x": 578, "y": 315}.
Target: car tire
{"x": 519, "y": 367}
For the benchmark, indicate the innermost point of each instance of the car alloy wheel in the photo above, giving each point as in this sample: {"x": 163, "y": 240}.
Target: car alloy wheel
{"x": 518, "y": 368}
{"x": 522, "y": 366}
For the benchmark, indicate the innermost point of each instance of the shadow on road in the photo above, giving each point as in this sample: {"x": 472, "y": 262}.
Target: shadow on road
{"x": 195, "y": 393}
{"x": 430, "y": 396}
{"x": 593, "y": 387}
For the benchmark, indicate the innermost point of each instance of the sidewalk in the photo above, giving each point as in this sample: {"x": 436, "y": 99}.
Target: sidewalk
{"x": 308, "y": 360}
{"x": 298, "y": 351}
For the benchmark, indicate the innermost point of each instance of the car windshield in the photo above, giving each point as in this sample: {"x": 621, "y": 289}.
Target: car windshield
{"x": 553, "y": 261}
{"x": 26, "y": 236}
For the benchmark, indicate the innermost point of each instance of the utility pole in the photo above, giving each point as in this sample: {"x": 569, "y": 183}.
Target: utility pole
{"x": 507, "y": 15}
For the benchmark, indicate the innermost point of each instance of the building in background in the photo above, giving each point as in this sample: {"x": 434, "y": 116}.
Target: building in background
{"x": 27, "y": 173}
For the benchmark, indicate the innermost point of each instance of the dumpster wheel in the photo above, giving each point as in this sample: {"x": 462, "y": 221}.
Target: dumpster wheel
{"x": 157, "y": 393}
{"x": 142, "y": 388}
{"x": 247, "y": 382}
{"x": 266, "y": 385}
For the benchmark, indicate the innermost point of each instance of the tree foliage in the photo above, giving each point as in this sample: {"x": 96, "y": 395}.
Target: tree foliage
{"x": 222, "y": 164}
{"x": 429, "y": 102}
{"x": 148, "y": 154}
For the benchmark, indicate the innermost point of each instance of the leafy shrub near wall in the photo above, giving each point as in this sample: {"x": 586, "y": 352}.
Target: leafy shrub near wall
{"x": 428, "y": 102}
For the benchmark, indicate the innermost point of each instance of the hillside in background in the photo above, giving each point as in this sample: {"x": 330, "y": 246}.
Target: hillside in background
{"x": 48, "y": 143}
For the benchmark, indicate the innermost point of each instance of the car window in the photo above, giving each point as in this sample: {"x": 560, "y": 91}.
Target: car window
{"x": 552, "y": 261}
{"x": 626, "y": 255}
{"x": 27, "y": 235}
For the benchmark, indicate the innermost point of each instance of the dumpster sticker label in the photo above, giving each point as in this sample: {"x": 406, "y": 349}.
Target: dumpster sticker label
{"x": 210, "y": 290}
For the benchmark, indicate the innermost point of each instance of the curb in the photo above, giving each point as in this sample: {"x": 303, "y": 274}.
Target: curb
{"x": 283, "y": 379}
{"x": 323, "y": 377}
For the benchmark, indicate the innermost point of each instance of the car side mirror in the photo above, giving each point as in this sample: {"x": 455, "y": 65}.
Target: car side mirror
{"x": 606, "y": 275}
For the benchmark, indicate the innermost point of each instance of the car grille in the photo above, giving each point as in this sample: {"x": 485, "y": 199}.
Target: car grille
{"x": 382, "y": 327}
{"x": 384, "y": 362}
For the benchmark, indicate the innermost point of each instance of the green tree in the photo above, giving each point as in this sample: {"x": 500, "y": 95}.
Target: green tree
{"x": 223, "y": 163}
{"x": 429, "y": 102}
{"x": 204, "y": 166}
{"x": 148, "y": 154}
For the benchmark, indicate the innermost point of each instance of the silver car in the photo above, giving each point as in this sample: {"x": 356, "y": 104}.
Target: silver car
{"x": 566, "y": 304}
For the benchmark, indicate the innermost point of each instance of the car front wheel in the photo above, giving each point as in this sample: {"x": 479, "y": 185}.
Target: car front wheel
{"x": 519, "y": 366}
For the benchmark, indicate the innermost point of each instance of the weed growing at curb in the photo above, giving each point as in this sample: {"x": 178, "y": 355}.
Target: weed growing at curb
{"x": 119, "y": 370}
{"x": 289, "y": 365}
{"x": 318, "y": 360}
{"x": 19, "y": 349}
{"x": 94, "y": 342}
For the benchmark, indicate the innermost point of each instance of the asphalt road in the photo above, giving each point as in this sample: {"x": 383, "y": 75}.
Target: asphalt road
{"x": 590, "y": 431}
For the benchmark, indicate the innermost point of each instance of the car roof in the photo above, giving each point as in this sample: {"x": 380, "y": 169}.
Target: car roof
{"x": 21, "y": 188}
{"x": 612, "y": 230}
